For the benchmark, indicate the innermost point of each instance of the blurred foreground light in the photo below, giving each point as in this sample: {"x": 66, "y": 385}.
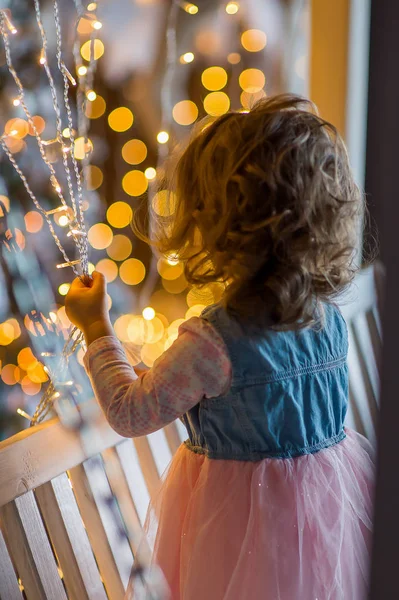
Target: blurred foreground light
{"x": 216, "y": 103}
{"x": 132, "y": 271}
{"x": 95, "y": 109}
{"x": 164, "y": 203}
{"x": 150, "y": 173}
{"x": 120, "y": 248}
{"x": 191, "y": 9}
{"x": 97, "y": 25}
{"x": 252, "y": 80}
{"x": 93, "y": 176}
{"x": 86, "y": 49}
{"x": 187, "y": 58}
{"x": 134, "y": 152}
{"x": 163, "y": 137}
{"x": 253, "y": 40}
{"x": 63, "y": 289}
{"x": 232, "y": 8}
{"x": 100, "y": 236}
{"x": 120, "y": 119}
{"x": 91, "y": 95}
{"x": 148, "y": 313}
{"x": 185, "y": 112}
{"x": 214, "y": 78}
{"x": 33, "y": 221}
{"x": 119, "y": 214}
{"x": 234, "y": 58}
{"x": 135, "y": 183}
{"x": 82, "y": 70}
{"x": 108, "y": 268}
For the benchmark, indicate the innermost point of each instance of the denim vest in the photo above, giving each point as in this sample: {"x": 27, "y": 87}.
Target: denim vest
{"x": 288, "y": 394}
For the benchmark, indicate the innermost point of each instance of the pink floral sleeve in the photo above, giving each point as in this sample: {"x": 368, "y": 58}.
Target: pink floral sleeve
{"x": 195, "y": 366}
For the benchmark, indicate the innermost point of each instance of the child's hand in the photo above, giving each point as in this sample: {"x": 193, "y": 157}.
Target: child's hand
{"x": 86, "y": 305}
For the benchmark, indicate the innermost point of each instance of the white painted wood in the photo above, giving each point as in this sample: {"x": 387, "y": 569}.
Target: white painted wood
{"x": 25, "y": 460}
{"x": 172, "y": 436}
{"x": 30, "y": 549}
{"x": 65, "y": 526}
{"x": 9, "y": 587}
{"x": 130, "y": 465}
{"x": 160, "y": 450}
{"x": 147, "y": 465}
{"x": 97, "y": 534}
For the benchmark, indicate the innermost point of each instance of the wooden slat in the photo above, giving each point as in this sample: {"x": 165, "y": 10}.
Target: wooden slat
{"x": 182, "y": 431}
{"x": 367, "y": 352}
{"x": 9, "y": 587}
{"x": 360, "y": 297}
{"x": 148, "y": 465}
{"x": 69, "y": 538}
{"x": 96, "y": 533}
{"x": 120, "y": 490}
{"x": 172, "y": 436}
{"x": 26, "y": 463}
{"x": 130, "y": 465}
{"x": 160, "y": 450}
{"x": 28, "y": 544}
{"x": 361, "y": 395}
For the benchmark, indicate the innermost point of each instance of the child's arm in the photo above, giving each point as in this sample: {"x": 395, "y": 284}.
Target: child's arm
{"x": 194, "y": 367}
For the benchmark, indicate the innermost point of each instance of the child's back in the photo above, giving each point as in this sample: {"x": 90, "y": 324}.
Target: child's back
{"x": 270, "y": 498}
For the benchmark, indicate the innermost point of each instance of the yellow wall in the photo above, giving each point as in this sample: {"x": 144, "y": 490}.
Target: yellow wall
{"x": 329, "y": 59}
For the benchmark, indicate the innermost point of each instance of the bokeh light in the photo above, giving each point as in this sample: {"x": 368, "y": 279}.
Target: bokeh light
{"x": 93, "y": 176}
{"x": 163, "y": 137}
{"x": 39, "y": 123}
{"x": 82, "y": 147}
{"x": 26, "y": 358}
{"x": 30, "y": 388}
{"x": 120, "y": 119}
{"x": 249, "y": 100}
{"x": 187, "y": 58}
{"x": 6, "y": 201}
{"x": 164, "y": 203}
{"x": 168, "y": 271}
{"x": 234, "y": 58}
{"x": 148, "y": 313}
{"x": 95, "y": 109}
{"x": 33, "y": 221}
{"x": 252, "y": 80}
{"x": 190, "y": 8}
{"x": 100, "y": 236}
{"x": 132, "y": 271}
{"x": 91, "y": 95}
{"x": 253, "y": 40}
{"x": 216, "y": 103}
{"x": 195, "y": 310}
{"x": 175, "y": 286}
{"x": 214, "y": 78}
{"x": 185, "y": 112}
{"x": 134, "y": 152}
{"x": 150, "y": 173}
{"x": 200, "y": 296}
{"x": 108, "y": 268}
{"x": 63, "y": 289}
{"x": 120, "y": 248}
{"x": 17, "y": 128}
{"x": 10, "y": 374}
{"x": 119, "y": 214}
{"x": 135, "y": 183}
{"x": 6, "y": 334}
{"x": 232, "y": 8}
{"x": 85, "y": 50}
{"x": 121, "y": 326}
{"x": 150, "y": 352}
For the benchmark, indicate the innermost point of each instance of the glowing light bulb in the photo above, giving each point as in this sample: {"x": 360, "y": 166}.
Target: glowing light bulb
{"x": 66, "y": 133}
{"x": 97, "y": 25}
{"x": 148, "y": 313}
{"x": 186, "y": 58}
{"x": 163, "y": 137}
{"x": 173, "y": 260}
{"x": 16, "y": 102}
{"x": 150, "y": 173}
{"x": 24, "y": 414}
{"x": 42, "y": 58}
{"x": 232, "y": 8}
{"x": 191, "y": 9}
{"x": 63, "y": 221}
{"x": 91, "y": 95}
{"x": 55, "y": 184}
{"x": 82, "y": 70}
{"x": 13, "y": 131}
{"x": 92, "y": 6}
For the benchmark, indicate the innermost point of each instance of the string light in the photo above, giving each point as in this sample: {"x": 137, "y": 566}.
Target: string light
{"x": 42, "y": 58}
{"x": 91, "y": 95}
{"x": 150, "y": 173}
{"x": 148, "y": 313}
{"x": 232, "y": 8}
{"x": 187, "y": 58}
{"x": 92, "y": 6}
{"x": 163, "y": 137}
{"x": 191, "y": 9}
{"x": 16, "y": 102}
{"x": 82, "y": 70}
{"x": 97, "y": 25}
{"x": 24, "y": 414}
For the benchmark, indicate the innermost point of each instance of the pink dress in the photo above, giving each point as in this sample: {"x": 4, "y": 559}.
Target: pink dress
{"x": 274, "y": 529}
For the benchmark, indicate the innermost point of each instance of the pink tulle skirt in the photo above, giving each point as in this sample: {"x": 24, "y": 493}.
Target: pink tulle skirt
{"x": 277, "y": 529}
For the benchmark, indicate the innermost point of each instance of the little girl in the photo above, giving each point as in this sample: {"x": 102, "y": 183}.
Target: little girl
{"x": 270, "y": 498}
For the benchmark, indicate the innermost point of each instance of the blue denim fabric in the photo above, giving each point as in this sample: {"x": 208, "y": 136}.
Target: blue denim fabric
{"x": 288, "y": 395}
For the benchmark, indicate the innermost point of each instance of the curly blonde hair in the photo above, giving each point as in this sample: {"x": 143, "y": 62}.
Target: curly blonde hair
{"x": 266, "y": 203}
